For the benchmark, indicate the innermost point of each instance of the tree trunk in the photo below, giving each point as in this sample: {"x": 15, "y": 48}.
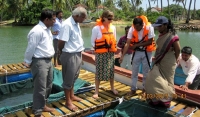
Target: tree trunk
{"x": 184, "y": 7}
{"x": 168, "y": 9}
{"x": 149, "y": 4}
{"x": 188, "y": 15}
{"x": 161, "y": 5}
{"x": 194, "y": 12}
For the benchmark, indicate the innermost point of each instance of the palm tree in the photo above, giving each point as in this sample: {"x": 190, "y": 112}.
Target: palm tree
{"x": 161, "y": 5}
{"x": 149, "y": 4}
{"x": 135, "y": 4}
{"x": 3, "y": 5}
{"x": 194, "y": 12}
{"x": 188, "y": 15}
{"x": 168, "y": 9}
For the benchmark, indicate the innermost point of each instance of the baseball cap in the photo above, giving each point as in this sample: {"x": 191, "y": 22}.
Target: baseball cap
{"x": 161, "y": 20}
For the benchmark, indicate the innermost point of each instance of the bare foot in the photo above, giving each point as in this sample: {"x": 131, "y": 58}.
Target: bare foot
{"x": 115, "y": 92}
{"x": 71, "y": 107}
{"x": 75, "y": 98}
{"x": 95, "y": 96}
{"x": 48, "y": 109}
{"x": 132, "y": 92}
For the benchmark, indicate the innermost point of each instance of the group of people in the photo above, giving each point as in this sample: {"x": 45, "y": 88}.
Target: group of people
{"x": 68, "y": 44}
{"x": 65, "y": 40}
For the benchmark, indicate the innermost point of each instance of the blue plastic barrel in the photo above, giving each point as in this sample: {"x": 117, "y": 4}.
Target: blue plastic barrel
{"x": 179, "y": 77}
{"x": 18, "y": 77}
{"x": 97, "y": 114}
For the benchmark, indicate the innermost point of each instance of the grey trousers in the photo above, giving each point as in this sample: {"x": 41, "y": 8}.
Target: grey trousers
{"x": 42, "y": 71}
{"x": 71, "y": 65}
{"x": 139, "y": 58}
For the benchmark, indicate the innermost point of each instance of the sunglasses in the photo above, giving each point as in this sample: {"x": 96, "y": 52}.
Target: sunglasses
{"x": 110, "y": 18}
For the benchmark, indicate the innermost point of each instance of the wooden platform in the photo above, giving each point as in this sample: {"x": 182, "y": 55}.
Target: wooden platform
{"x": 10, "y": 69}
{"x": 107, "y": 99}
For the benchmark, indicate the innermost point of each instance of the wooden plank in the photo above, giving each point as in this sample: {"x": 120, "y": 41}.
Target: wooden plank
{"x": 196, "y": 114}
{"x": 55, "y": 112}
{"x": 88, "y": 104}
{"x": 173, "y": 103}
{"x": 179, "y": 107}
{"x": 11, "y": 67}
{"x": 61, "y": 107}
{"x": 16, "y": 66}
{"x": 81, "y": 106}
{"x": 99, "y": 99}
{"x": 6, "y": 68}
{"x": 10, "y": 115}
{"x": 108, "y": 93}
{"x": 20, "y": 114}
{"x": 187, "y": 111}
{"x": 89, "y": 99}
{"x": 46, "y": 114}
{"x": 28, "y": 111}
{"x": 103, "y": 96}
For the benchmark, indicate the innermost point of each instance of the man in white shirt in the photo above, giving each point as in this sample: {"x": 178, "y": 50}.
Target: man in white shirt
{"x": 70, "y": 45}
{"x": 191, "y": 67}
{"x": 55, "y": 31}
{"x": 38, "y": 57}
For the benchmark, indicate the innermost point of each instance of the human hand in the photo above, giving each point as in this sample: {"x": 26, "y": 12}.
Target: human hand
{"x": 133, "y": 47}
{"x": 121, "y": 59}
{"x": 25, "y": 64}
{"x": 93, "y": 58}
{"x": 184, "y": 87}
{"x": 55, "y": 33}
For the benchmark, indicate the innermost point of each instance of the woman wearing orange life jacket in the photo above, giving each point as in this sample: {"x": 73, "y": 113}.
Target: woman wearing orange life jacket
{"x": 103, "y": 40}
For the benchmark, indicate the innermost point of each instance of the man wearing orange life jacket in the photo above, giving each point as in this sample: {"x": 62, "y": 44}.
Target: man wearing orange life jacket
{"x": 103, "y": 40}
{"x": 140, "y": 39}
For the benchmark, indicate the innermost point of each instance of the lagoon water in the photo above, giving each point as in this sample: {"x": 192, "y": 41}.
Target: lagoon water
{"x": 13, "y": 41}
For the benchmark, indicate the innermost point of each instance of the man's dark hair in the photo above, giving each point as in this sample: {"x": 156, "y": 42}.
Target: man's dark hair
{"x": 46, "y": 13}
{"x": 186, "y": 50}
{"x": 59, "y": 11}
{"x": 138, "y": 21}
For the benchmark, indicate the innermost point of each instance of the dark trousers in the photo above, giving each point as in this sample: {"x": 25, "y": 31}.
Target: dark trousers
{"x": 196, "y": 83}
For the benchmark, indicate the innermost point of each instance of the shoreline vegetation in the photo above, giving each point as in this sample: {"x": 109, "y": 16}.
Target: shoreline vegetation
{"x": 180, "y": 25}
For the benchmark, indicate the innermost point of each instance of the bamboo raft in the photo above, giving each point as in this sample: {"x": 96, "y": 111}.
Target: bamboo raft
{"x": 10, "y": 69}
{"x": 90, "y": 105}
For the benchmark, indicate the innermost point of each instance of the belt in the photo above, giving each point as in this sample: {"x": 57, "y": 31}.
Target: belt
{"x": 44, "y": 58}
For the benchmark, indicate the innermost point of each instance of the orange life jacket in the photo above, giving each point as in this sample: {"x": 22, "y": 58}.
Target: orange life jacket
{"x": 107, "y": 43}
{"x": 146, "y": 27}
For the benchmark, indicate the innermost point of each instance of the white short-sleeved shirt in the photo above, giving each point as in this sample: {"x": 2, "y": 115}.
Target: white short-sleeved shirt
{"x": 70, "y": 32}
{"x": 56, "y": 27}
{"x": 96, "y": 33}
{"x": 191, "y": 67}
{"x": 140, "y": 33}
{"x": 40, "y": 43}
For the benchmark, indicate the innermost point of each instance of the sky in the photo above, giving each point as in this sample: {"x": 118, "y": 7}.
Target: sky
{"x": 145, "y": 4}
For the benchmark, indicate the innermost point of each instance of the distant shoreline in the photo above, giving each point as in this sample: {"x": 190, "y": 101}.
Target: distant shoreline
{"x": 193, "y": 24}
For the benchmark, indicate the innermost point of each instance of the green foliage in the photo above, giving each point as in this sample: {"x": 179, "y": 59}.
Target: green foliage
{"x": 198, "y": 14}
{"x": 152, "y": 16}
{"x": 28, "y": 12}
